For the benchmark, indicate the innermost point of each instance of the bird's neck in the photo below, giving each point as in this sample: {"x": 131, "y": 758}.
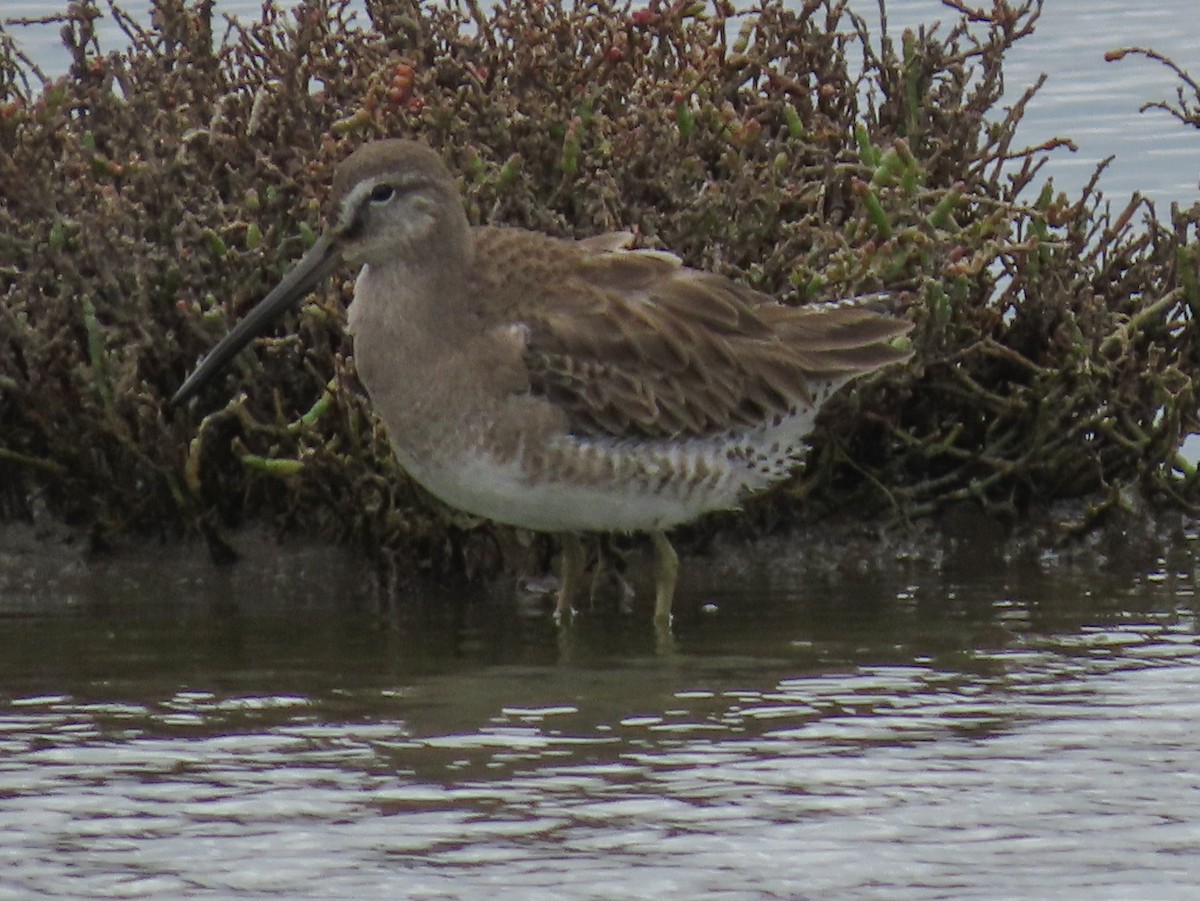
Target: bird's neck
{"x": 402, "y": 302}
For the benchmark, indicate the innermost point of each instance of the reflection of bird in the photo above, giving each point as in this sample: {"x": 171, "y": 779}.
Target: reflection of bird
{"x": 566, "y": 386}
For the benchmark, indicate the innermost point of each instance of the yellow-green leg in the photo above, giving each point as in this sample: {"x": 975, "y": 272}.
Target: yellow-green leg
{"x": 573, "y": 561}
{"x": 666, "y": 573}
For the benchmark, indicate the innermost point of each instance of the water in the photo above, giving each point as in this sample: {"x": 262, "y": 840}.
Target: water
{"x": 1095, "y": 102}
{"x": 916, "y": 731}
{"x": 1086, "y": 99}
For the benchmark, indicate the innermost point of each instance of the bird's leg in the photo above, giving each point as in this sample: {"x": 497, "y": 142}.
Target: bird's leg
{"x": 666, "y": 572}
{"x": 573, "y": 561}
{"x": 611, "y": 560}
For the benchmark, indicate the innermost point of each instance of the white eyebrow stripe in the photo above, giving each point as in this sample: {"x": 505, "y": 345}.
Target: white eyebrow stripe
{"x": 353, "y": 200}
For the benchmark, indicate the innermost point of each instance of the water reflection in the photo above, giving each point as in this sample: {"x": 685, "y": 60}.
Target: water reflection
{"x": 900, "y": 729}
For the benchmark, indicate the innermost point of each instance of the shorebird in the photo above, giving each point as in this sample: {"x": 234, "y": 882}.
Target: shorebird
{"x": 566, "y": 386}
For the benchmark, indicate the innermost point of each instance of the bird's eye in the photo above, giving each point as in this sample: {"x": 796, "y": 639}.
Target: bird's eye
{"x": 382, "y": 193}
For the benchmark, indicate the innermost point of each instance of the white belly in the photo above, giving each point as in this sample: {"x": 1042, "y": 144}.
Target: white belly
{"x": 503, "y": 492}
{"x": 662, "y": 485}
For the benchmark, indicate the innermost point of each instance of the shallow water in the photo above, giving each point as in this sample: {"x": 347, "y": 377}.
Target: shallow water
{"x": 169, "y": 728}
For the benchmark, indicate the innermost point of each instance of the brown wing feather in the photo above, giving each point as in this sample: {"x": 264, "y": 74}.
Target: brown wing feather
{"x": 633, "y": 344}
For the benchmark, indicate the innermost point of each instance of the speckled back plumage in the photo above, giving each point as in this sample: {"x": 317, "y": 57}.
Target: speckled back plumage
{"x": 631, "y": 344}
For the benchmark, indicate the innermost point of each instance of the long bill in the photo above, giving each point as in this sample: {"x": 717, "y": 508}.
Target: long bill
{"x": 320, "y": 260}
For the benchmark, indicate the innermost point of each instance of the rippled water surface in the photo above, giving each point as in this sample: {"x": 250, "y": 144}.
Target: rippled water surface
{"x": 167, "y": 728}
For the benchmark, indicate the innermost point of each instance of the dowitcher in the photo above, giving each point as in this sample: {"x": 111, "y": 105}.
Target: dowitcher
{"x": 566, "y": 386}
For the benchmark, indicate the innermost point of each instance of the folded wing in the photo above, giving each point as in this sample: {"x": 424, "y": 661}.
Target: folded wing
{"x": 631, "y": 344}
